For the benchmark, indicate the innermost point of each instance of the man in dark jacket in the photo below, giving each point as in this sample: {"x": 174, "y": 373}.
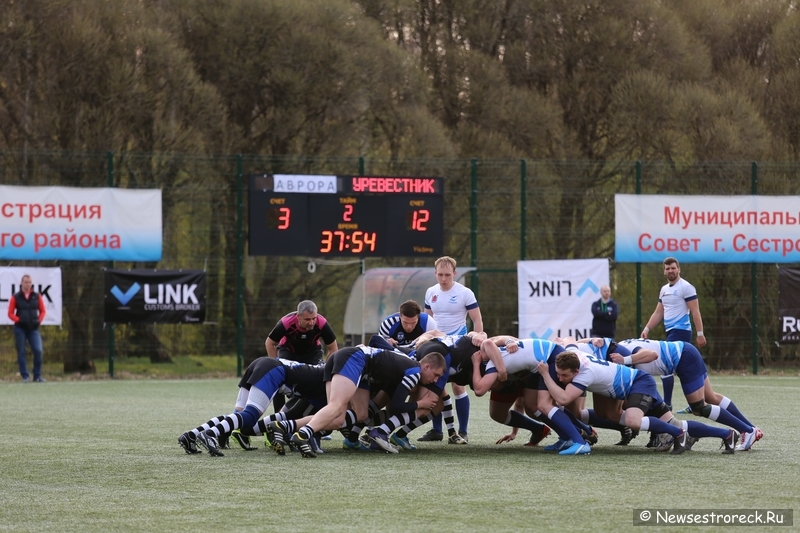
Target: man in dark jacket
{"x": 605, "y": 312}
{"x": 26, "y": 309}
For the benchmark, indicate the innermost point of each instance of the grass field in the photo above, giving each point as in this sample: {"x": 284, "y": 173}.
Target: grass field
{"x": 102, "y": 456}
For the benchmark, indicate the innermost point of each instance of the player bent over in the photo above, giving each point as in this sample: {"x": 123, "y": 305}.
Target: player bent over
{"x": 344, "y": 372}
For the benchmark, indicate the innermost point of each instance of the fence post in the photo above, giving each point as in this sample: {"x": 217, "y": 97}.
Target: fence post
{"x": 523, "y": 209}
{"x": 754, "y": 278}
{"x": 110, "y": 169}
{"x": 239, "y": 268}
{"x": 474, "y": 225}
{"x": 639, "y": 325}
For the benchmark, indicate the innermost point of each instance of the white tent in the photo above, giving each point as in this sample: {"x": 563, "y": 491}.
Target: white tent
{"x": 378, "y": 293}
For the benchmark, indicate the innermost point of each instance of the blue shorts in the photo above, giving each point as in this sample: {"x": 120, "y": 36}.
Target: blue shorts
{"x": 691, "y": 369}
{"x": 644, "y": 383}
{"x": 684, "y": 335}
{"x": 347, "y": 362}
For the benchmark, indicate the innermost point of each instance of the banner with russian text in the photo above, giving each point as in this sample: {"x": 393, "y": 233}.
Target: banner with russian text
{"x": 46, "y": 281}
{"x": 555, "y": 297}
{"x": 707, "y": 229}
{"x": 789, "y": 305}
{"x": 80, "y": 224}
{"x": 156, "y": 296}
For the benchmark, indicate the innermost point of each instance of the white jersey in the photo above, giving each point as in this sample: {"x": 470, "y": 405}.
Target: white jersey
{"x": 669, "y": 355}
{"x": 674, "y": 298}
{"x": 604, "y": 378}
{"x": 531, "y": 352}
{"x": 450, "y": 307}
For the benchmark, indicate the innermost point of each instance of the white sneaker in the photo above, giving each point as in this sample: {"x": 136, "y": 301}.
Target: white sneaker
{"x": 747, "y": 441}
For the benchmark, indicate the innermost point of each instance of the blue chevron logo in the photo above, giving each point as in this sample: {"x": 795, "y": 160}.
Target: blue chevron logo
{"x": 125, "y": 297}
{"x": 545, "y": 336}
{"x": 587, "y": 285}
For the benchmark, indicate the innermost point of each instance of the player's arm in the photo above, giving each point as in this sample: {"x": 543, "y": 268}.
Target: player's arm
{"x": 385, "y": 330}
{"x": 561, "y": 396}
{"x": 639, "y": 356}
{"x": 518, "y": 407}
{"x": 481, "y": 384}
{"x": 329, "y": 338}
{"x": 655, "y": 318}
{"x": 272, "y": 348}
{"x": 694, "y": 308}
{"x": 490, "y": 352}
{"x": 477, "y": 319}
{"x": 332, "y": 347}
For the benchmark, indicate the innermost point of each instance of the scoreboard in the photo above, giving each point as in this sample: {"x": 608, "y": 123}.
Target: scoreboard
{"x": 356, "y": 216}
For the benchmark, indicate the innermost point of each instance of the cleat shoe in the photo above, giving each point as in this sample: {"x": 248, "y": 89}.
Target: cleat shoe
{"x": 536, "y": 439}
{"x": 401, "y": 442}
{"x": 685, "y": 411}
{"x": 590, "y": 438}
{"x": 303, "y": 445}
{"x": 356, "y": 446}
{"x": 316, "y": 445}
{"x": 224, "y": 442}
{"x": 189, "y": 443}
{"x": 276, "y": 438}
{"x": 325, "y": 437}
{"x": 626, "y": 436}
{"x": 730, "y": 442}
{"x": 577, "y": 449}
{"x": 653, "y": 441}
{"x": 747, "y": 441}
{"x": 380, "y": 441}
{"x": 691, "y": 442}
{"x": 558, "y": 445}
{"x": 759, "y": 434}
{"x": 664, "y": 442}
{"x": 679, "y": 443}
{"x": 242, "y": 440}
{"x": 455, "y": 438}
{"x": 431, "y": 436}
{"x": 464, "y": 436}
{"x": 208, "y": 439}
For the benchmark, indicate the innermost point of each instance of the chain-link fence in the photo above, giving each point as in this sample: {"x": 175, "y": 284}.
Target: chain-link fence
{"x": 496, "y": 213}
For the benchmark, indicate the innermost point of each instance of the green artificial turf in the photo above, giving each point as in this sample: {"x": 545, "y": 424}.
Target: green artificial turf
{"x": 102, "y": 456}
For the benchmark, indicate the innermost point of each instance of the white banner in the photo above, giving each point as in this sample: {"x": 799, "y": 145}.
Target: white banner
{"x": 555, "y": 297}
{"x": 46, "y": 281}
{"x": 80, "y": 224}
{"x": 707, "y": 229}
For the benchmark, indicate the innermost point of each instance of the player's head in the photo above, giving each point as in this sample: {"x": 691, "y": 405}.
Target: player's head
{"x": 672, "y": 269}
{"x": 409, "y": 315}
{"x": 567, "y": 366}
{"x": 432, "y": 367}
{"x": 306, "y": 315}
{"x": 445, "y": 272}
{"x": 26, "y": 283}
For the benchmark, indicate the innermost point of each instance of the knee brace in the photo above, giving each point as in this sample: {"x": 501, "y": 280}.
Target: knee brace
{"x": 659, "y": 410}
{"x": 700, "y": 408}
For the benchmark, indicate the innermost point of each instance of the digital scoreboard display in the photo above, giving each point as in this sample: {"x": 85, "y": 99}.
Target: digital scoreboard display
{"x": 361, "y": 216}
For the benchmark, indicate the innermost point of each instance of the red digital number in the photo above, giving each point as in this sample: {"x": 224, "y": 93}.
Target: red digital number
{"x": 357, "y": 241}
{"x": 419, "y": 219}
{"x": 370, "y": 239}
{"x": 284, "y": 218}
{"x": 347, "y": 216}
{"x": 327, "y": 242}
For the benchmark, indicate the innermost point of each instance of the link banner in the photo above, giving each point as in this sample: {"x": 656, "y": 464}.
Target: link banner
{"x": 158, "y": 296}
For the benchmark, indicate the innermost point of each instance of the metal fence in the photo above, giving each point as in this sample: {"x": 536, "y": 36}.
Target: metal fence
{"x": 496, "y": 213}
